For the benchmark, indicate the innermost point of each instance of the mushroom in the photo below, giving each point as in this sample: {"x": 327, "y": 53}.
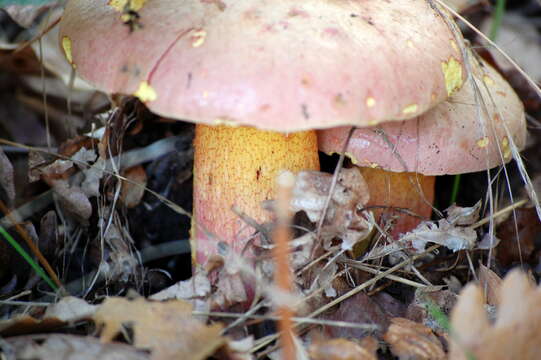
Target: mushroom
{"x": 257, "y": 77}
{"x": 466, "y": 133}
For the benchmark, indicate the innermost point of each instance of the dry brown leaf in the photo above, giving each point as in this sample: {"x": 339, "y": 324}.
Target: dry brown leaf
{"x": 490, "y": 283}
{"x": 73, "y": 199}
{"x": 342, "y": 349}
{"x": 516, "y": 333}
{"x": 70, "y": 347}
{"x": 168, "y": 329}
{"x": 7, "y": 184}
{"x": 417, "y": 310}
{"x": 68, "y": 309}
{"x": 342, "y": 218}
{"x": 513, "y": 247}
{"x": 361, "y": 309}
{"x": 411, "y": 340}
{"x": 132, "y": 194}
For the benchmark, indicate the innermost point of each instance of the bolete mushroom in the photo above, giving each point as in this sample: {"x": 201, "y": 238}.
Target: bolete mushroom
{"x": 284, "y": 67}
{"x": 466, "y": 133}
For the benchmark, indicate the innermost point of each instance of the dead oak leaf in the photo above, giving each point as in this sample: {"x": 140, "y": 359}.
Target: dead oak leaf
{"x": 516, "y": 332}
{"x": 168, "y": 328}
{"x": 411, "y": 340}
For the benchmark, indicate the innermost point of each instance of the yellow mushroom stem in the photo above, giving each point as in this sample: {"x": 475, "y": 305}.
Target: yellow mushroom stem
{"x": 394, "y": 191}
{"x": 237, "y": 166}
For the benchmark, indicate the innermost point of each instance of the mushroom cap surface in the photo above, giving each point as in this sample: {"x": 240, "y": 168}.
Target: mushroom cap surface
{"x": 280, "y": 65}
{"x": 458, "y": 136}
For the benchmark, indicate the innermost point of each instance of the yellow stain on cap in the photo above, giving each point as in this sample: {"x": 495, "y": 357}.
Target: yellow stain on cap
{"x": 66, "y": 46}
{"x": 198, "y": 37}
{"x": 506, "y": 149}
{"x": 452, "y": 73}
{"x": 372, "y": 122}
{"x": 483, "y": 142}
{"x": 410, "y": 109}
{"x": 370, "y": 101}
{"x": 225, "y": 121}
{"x": 454, "y": 45}
{"x": 488, "y": 80}
{"x": 352, "y": 157}
{"x": 122, "y": 5}
{"x": 410, "y": 44}
{"x": 145, "y": 92}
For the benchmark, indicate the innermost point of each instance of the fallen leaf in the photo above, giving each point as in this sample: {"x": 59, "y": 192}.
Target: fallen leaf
{"x": 73, "y": 199}
{"x": 7, "y": 184}
{"x": 342, "y": 349}
{"x": 68, "y": 309}
{"x": 444, "y": 233}
{"x": 168, "y": 329}
{"x": 132, "y": 194}
{"x": 70, "y": 347}
{"x": 516, "y": 332}
{"x": 490, "y": 283}
{"x": 342, "y": 218}
{"x": 418, "y": 309}
{"x": 512, "y": 249}
{"x": 411, "y": 340}
{"x": 457, "y": 215}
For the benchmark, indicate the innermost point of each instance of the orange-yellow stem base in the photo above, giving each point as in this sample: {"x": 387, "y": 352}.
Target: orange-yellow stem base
{"x": 411, "y": 191}
{"x": 237, "y": 166}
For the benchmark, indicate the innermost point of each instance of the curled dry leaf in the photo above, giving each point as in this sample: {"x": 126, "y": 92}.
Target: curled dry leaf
{"x": 490, "y": 283}
{"x": 342, "y": 218}
{"x": 168, "y": 329}
{"x": 452, "y": 232}
{"x": 73, "y": 199}
{"x": 7, "y": 184}
{"x": 457, "y": 215}
{"x": 71, "y": 347}
{"x": 411, "y": 340}
{"x": 417, "y": 310}
{"x": 312, "y": 188}
{"x": 195, "y": 290}
{"x": 132, "y": 194}
{"x": 513, "y": 249}
{"x": 516, "y": 333}
{"x": 444, "y": 233}
{"x": 68, "y": 309}
{"x": 342, "y": 349}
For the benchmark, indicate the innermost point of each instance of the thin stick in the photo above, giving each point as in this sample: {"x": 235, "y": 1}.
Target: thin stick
{"x": 282, "y": 273}
{"x": 503, "y": 211}
{"x": 352, "y": 292}
{"x": 300, "y": 320}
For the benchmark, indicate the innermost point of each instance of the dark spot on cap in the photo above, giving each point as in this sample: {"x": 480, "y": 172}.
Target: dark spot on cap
{"x": 304, "y": 109}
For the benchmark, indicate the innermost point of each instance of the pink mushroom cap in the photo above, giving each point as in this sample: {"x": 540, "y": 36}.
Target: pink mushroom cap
{"x": 463, "y": 134}
{"x": 279, "y": 65}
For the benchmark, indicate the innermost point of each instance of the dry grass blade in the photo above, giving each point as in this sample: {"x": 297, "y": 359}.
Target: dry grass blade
{"x": 266, "y": 341}
{"x": 520, "y": 164}
{"x": 33, "y": 247}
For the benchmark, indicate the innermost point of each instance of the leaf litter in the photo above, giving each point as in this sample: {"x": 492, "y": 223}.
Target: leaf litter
{"x": 341, "y": 224}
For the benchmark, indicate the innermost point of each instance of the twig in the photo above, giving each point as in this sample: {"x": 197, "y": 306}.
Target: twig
{"x": 352, "y": 292}
{"x": 300, "y": 320}
{"x": 498, "y": 213}
{"x": 282, "y": 273}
